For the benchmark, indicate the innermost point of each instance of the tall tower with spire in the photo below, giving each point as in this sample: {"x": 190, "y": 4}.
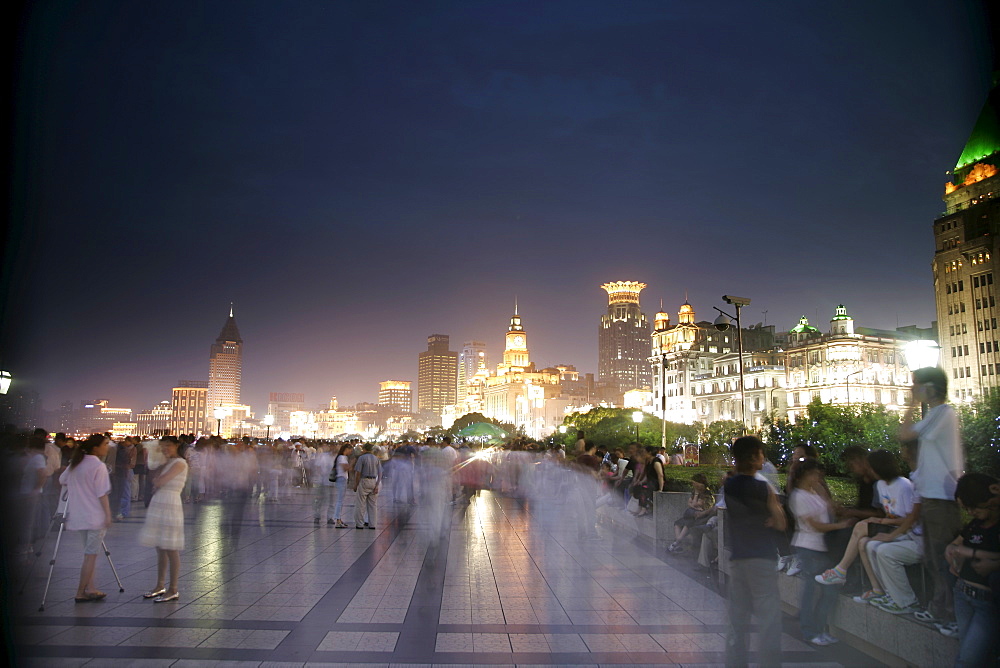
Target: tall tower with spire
{"x": 623, "y": 338}
{"x": 515, "y": 353}
{"x": 225, "y": 369}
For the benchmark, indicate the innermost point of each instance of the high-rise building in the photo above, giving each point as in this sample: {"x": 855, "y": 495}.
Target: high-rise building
{"x": 156, "y": 421}
{"x": 225, "y": 371}
{"x": 967, "y": 261}
{"x": 396, "y": 393}
{"x": 189, "y": 407}
{"x": 437, "y": 375}
{"x": 470, "y": 361}
{"x": 623, "y": 339}
{"x": 281, "y": 405}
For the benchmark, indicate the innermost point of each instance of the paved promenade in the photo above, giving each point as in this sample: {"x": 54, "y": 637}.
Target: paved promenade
{"x": 509, "y": 584}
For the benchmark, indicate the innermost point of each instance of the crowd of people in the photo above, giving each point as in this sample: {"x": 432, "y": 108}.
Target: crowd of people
{"x": 897, "y": 521}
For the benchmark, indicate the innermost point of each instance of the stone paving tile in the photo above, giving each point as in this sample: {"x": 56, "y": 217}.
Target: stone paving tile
{"x": 490, "y": 642}
{"x": 453, "y": 642}
{"x": 90, "y": 635}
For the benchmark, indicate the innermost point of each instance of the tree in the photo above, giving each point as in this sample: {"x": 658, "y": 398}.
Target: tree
{"x": 980, "y": 433}
{"x": 614, "y": 428}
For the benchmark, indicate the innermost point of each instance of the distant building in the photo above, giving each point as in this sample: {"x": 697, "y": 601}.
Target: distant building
{"x": 189, "y": 407}
{"x": 437, "y": 375}
{"x": 282, "y": 404}
{"x": 96, "y": 417}
{"x": 623, "y": 344}
{"x": 396, "y": 393}
{"x": 225, "y": 371}
{"x": 471, "y": 359}
{"x": 966, "y": 262}
{"x": 157, "y": 421}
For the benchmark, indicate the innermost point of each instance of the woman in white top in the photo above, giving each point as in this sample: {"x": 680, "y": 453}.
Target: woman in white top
{"x": 87, "y": 508}
{"x": 342, "y": 468}
{"x": 812, "y": 514}
{"x": 164, "y": 526}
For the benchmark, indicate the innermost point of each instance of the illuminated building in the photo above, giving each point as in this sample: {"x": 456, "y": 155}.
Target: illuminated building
{"x": 845, "y": 367}
{"x": 396, "y": 393}
{"x": 189, "y": 407}
{"x": 437, "y": 375}
{"x": 966, "y": 262}
{"x": 623, "y": 345}
{"x": 683, "y": 356}
{"x": 470, "y": 360}
{"x": 157, "y": 421}
{"x": 225, "y": 371}
{"x": 281, "y": 405}
{"x": 96, "y": 417}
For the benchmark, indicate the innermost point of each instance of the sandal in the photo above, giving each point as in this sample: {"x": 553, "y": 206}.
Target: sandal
{"x": 155, "y": 593}
{"x": 91, "y": 596}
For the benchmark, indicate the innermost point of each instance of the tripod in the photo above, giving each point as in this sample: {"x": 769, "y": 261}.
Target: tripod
{"x": 60, "y": 516}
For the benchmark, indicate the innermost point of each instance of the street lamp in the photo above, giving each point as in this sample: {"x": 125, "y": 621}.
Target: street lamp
{"x": 5, "y": 380}
{"x": 219, "y": 413}
{"x": 724, "y": 322}
{"x": 637, "y": 417}
{"x": 853, "y": 373}
{"x": 921, "y": 353}
{"x": 268, "y": 420}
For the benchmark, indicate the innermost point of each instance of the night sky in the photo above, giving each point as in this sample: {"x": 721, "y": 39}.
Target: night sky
{"x": 358, "y": 175}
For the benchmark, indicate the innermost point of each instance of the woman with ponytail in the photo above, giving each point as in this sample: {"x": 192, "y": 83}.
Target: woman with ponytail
{"x": 87, "y": 508}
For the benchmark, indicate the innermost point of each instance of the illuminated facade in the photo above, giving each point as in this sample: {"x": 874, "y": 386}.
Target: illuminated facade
{"x": 189, "y": 407}
{"x": 396, "y": 393}
{"x": 157, "y": 421}
{"x": 966, "y": 262}
{"x": 623, "y": 339}
{"x": 225, "y": 371}
{"x": 470, "y": 361}
{"x": 437, "y": 375}
{"x": 281, "y": 405}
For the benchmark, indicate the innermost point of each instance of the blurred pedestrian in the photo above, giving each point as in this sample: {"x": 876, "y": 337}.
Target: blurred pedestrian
{"x": 164, "y": 526}
{"x": 87, "y": 509}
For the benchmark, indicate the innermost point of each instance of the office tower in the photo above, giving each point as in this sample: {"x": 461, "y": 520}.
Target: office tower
{"x": 966, "y": 262}
{"x": 437, "y": 375}
{"x": 396, "y": 393}
{"x": 225, "y": 370}
{"x": 189, "y": 407}
{"x": 281, "y": 405}
{"x": 623, "y": 339}
{"x": 470, "y": 360}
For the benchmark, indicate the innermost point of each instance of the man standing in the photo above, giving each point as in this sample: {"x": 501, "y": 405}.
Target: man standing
{"x": 122, "y": 481}
{"x": 940, "y": 464}
{"x": 367, "y": 475}
{"x": 753, "y": 514}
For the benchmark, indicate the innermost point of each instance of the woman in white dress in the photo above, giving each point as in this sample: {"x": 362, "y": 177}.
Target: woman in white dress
{"x": 164, "y": 527}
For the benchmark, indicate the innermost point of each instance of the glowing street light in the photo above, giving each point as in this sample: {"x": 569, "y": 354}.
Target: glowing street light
{"x": 921, "y": 354}
{"x": 5, "y": 380}
{"x": 219, "y": 413}
{"x": 637, "y": 417}
{"x": 724, "y": 322}
{"x": 268, "y": 420}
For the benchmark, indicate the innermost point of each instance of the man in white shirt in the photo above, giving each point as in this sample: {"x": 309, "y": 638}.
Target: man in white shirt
{"x": 941, "y": 463}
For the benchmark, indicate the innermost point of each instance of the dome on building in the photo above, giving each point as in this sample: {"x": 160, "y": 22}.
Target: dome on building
{"x": 803, "y": 327}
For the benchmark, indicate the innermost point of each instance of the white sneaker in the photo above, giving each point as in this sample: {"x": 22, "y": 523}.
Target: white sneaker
{"x": 783, "y": 563}
{"x": 949, "y": 629}
{"x": 795, "y": 568}
{"x": 822, "y": 640}
{"x": 830, "y": 640}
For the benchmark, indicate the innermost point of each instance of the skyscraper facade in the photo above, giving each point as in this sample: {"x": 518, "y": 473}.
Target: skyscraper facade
{"x": 967, "y": 262}
{"x": 470, "y": 360}
{"x": 396, "y": 393}
{"x": 437, "y": 375}
{"x": 225, "y": 370}
{"x": 623, "y": 339}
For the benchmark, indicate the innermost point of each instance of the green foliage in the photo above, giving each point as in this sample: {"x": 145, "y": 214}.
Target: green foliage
{"x": 678, "y": 478}
{"x": 980, "y": 432}
{"x": 613, "y": 427}
{"x": 714, "y": 439}
{"x": 831, "y": 429}
{"x": 472, "y": 418}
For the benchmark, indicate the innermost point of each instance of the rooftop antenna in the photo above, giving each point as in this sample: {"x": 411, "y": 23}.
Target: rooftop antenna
{"x": 230, "y": 309}
{"x": 661, "y": 304}
{"x": 515, "y": 304}
{"x": 765, "y": 317}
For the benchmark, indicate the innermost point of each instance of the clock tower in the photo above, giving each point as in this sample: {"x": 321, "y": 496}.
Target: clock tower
{"x": 515, "y": 354}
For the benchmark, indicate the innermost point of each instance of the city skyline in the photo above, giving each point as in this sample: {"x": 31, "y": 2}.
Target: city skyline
{"x": 351, "y": 201}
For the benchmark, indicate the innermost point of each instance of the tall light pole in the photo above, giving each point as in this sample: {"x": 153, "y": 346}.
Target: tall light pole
{"x": 724, "y": 322}
{"x": 219, "y": 413}
{"x": 637, "y": 417}
{"x": 663, "y": 399}
{"x": 268, "y": 420}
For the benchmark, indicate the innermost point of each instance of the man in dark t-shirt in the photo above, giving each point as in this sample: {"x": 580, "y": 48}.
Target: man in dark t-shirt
{"x": 753, "y": 515}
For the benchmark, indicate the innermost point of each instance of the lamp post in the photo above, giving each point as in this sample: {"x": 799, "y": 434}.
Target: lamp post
{"x": 921, "y": 354}
{"x": 853, "y": 373}
{"x": 724, "y": 322}
{"x": 5, "y": 380}
{"x": 663, "y": 401}
{"x": 219, "y": 413}
{"x": 637, "y": 417}
{"x": 268, "y": 420}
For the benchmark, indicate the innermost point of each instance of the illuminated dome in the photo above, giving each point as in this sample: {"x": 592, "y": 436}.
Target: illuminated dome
{"x": 803, "y": 327}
